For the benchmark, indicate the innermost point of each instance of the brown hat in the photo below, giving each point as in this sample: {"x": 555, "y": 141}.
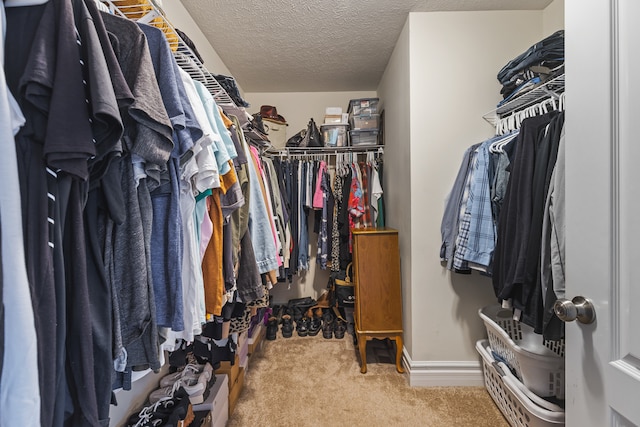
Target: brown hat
{"x": 270, "y": 112}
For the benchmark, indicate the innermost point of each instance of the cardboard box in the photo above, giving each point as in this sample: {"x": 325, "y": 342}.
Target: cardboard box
{"x": 255, "y": 342}
{"x": 243, "y": 353}
{"x": 232, "y": 371}
{"x": 217, "y": 404}
{"x": 218, "y": 393}
{"x": 235, "y": 391}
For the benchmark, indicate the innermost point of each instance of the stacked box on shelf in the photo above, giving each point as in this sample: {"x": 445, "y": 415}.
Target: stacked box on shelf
{"x": 334, "y": 135}
{"x": 216, "y": 408}
{"x": 364, "y": 120}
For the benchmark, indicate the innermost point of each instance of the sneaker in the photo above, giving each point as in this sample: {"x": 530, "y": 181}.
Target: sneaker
{"x": 195, "y": 387}
{"x": 165, "y": 412}
{"x": 191, "y": 370}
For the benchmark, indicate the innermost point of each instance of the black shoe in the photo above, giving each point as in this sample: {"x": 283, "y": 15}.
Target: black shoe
{"x": 339, "y": 328}
{"x": 327, "y": 325}
{"x": 272, "y": 328}
{"x": 287, "y": 326}
{"x": 315, "y": 323}
{"x": 303, "y": 326}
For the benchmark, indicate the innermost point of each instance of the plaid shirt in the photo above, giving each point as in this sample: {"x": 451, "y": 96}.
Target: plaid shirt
{"x": 465, "y": 219}
{"x": 481, "y": 238}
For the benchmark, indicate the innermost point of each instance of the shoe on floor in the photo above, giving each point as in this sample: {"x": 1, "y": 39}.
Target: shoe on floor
{"x": 327, "y": 325}
{"x": 339, "y": 328}
{"x": 287, "y": 326}
{"x": 272, "y": 328}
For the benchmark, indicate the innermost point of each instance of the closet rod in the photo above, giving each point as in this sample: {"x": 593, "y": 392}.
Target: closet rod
{"x": 148, "y": 12}
{"x": 297, "y": 151}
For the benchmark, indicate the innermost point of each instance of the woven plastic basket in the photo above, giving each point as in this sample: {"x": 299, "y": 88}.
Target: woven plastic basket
{"x": 517, "y": 407}
{"x": 540, "y": 367}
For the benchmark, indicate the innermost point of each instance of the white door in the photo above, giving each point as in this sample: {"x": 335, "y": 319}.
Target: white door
{"x": 603, "y": 210}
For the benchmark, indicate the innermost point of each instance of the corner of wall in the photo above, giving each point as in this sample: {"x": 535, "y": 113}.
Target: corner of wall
{"x": 394, "y": 91}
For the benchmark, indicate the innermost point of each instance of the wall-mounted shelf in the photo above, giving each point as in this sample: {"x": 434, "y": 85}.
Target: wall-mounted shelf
{"x": 148, "y": 12}
{"x": 552, "y": 88}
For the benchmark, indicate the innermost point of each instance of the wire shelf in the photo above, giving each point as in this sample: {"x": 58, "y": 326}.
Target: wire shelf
{"x": 149, "y": 12}
{"x": 552, "y": 88}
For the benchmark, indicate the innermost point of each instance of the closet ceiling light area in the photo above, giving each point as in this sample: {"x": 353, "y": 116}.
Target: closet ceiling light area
{"x": 319, "y": 45}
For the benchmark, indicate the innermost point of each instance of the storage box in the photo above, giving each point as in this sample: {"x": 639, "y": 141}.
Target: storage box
{"x": 539, "y": 367}
{"x": 333, "y": 111}
{"x": 369, "y": 122}
{"x": 512, "y": 399}
{"x": 235, "y": 391}
{"x": 276, "y": 132}
{"x": 232, "y": 371}
{"x": 363, "y": 137}
{"x": 218, "y": 395}
{"x": 255, "y": 342}
{"x": 363, "y": 106}
{"x": 334, "y": 135}
{"x": 333, "y": 120}
{"x": 243, "y": 353}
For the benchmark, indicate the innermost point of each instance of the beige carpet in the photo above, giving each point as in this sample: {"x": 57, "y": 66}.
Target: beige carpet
{"x": 311, "y": 381}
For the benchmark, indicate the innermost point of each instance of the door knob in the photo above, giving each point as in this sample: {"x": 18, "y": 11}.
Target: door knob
{"x": 578, "y": 308}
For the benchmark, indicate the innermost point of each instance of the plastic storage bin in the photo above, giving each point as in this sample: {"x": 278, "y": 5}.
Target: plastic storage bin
{"x": 334, "y": 135}
{"x": 364, "y": 137}
{"x": 520, "y": 407}
{"x": 363, "y": 106}
{"x": 368, "y": 122}
{"x": 539, "y": 367}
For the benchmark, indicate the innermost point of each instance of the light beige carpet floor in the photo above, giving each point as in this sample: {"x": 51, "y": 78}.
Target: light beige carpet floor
{"x": 311, "y": 381}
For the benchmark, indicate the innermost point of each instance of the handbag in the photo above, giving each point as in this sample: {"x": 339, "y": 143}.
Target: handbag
{"x": 309, "y": 137}
{"x": 296, "y": 139}
{"x": 344, "y": 289}
{"x": 313, "y": 138}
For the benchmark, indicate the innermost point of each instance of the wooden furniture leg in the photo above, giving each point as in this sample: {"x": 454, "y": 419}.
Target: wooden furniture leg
{"x": 362, "y": 346}
{"x": 399, "y": 346}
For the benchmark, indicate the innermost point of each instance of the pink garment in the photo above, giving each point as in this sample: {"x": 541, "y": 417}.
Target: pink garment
{"x": 319, "y": 194}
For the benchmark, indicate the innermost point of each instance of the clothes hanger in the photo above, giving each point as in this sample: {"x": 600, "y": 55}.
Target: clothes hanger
{"x": 21, "y": 3}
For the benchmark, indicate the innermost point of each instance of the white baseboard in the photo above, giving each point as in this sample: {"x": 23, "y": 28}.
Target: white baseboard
{"x": 442, "y": 373}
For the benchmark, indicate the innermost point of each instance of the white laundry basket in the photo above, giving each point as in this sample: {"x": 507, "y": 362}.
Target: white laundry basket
{"x": 540, "y": 367}
{"x": 521, "y": 409}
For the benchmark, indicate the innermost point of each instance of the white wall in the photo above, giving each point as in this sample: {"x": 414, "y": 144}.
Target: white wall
{"x": 454, "y": 59}
{"x": 553, "y": 18}
{"x": 395, "y": 92}
{"x": 180, "y": 18}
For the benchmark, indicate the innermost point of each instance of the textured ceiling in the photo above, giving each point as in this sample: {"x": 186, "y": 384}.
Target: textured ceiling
{"x": 319, "y": 45}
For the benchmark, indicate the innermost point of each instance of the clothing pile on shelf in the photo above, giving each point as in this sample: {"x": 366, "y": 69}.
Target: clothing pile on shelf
{"x": 504, "y": 217}
{"x": 541, "y": 62}
{"x": 134, "y": 215}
